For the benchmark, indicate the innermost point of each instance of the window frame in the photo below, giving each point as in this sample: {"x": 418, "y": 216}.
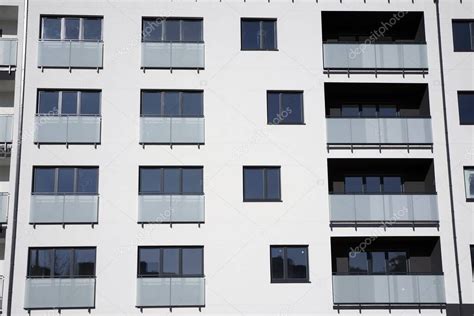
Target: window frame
{"x": 471, "y": 28}
{"x": 163, "y": 28}
{"x": 56, "y": 180}
{"x": 265, "y": 193}
{"x": 162, "y": 180}
{"x": 162, "y": 105}
{"x": 261, "y": 20}
{"x": 280, "y": 106}
{"x": 180, "y": 262}
{"x": 468, "y": 92}
{"x": 377, "y": 106}
{"x": 60, "y": 100}
{"x": 63, "y": 27}
{"x": 285, "y": 278}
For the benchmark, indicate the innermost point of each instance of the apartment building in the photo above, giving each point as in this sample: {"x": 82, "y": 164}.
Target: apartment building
{"x": 237, "y": 157}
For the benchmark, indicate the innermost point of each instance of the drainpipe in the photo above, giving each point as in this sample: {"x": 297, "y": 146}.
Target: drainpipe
{"x": 18, "y": 162}
{"x": 448, "y": 156}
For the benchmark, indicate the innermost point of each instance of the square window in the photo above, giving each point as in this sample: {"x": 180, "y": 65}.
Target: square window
{"x": 87, "y": 180}
{"x": 469, "y": 183}
{"x": 151, "y": 103}
{"x": 466, "y": 107}
{"x": 90, "y": 103}
{"x": 392, "y": 185}
{"x": 192, "y": 104}
{"x": 192, "y": 181}
{"x": 289, "y": 264}
{"x": 463, "y": 36}
{"x": 353, "y": 185}
{"x": 192, "y": 261}
{"x": 40, "y": 263}
{"x": 48, "y": 102}
{"x": 358, "y": 263}
{"x": 191, "y": 30}
{"x": 150, "y": 180}
{"x": 44, "y": 180}
{"x": 51, "y": 28}
{"x": 262, "y": 184}
{"x": 285, "y": 108}
{"x": 84, "y": 262}
{"x": 258, "y": 34}
{"x": 92, "y": 29}
{"x": 149, "y": 261}
{"x": 152, "y": 30}
{"x": 397, "y": 262}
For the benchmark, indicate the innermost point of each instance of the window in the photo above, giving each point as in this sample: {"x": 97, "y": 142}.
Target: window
{"x": 378, "y": 262}
{"x": 373, "y": 184}
{"x": 71, "y": 28}
{"x": 463, "y": 35}
{"x": 258, "y": 34}
{"x": 262, "y": 184}
{"x": 170, "y": 261}
{"x": 289, "y": 264}
{"x": 469, "y": 182}
{"x": 369, "y": 110}
{"x": 172, "y": 103}
{"x": 65, "y": 180}
{"x": 61, "y": 262}
{"x": 171, "y": 180}
{"x": 466, "y": 107}
{"x": 68, "y": 102}
{"x": 285, "y": 107}
{"x": 163, "y": 29}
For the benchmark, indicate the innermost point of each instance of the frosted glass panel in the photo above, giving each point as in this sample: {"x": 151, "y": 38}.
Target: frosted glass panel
{"x": 64, "y": 209}
{"x": 67, "y": 129}
{"x": 170, "y": 208}
{"x": 8, "y": 51}
{"x": 172, "y": 55}
{"x": 172, "y": 292}
{"x": 65, "y": 54}
{"x": 172, "y": 130}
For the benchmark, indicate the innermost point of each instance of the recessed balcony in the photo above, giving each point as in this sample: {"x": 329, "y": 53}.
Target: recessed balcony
{"x": 8, "y": 37}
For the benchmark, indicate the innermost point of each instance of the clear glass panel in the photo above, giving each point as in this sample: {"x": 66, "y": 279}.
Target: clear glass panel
{"x": 44, "y": 179}
{"x": 372, "y": 185}
{"x": 149, "y": 261}
{"x": 462, "y": 36}
{"x": 466, "y": 107}
{"x": 392, "y": 185}
{"x": 150, "y": 180}
{"x": 267, "y": 34}
{"x": 51, "y": 28}
{"x": 172, "y": 181}
{"x": 192, "y": 180}
{"x": 192, "y": 104}
{"x": 192, "y": 261}
{"x": 297, "y": 259}
{"x": 40, "y": 263}
{"x": 253, "y": 184}
{"x": 90, "y": 103}
{"x": 397, "y": 262}
{"x": 388, "y": 111}
{"x": 250, "y": 34}
{"x": 277, "y": 254}
{"x": 378, "y": 262}
{"x": 72, "y": 28}
{"x": 469, "y": 183}
{"x": 358, "y": 262}
{"x": 151, "y": 103}
{"x": 273, "y": 108}
{"x": 369, "y": 111}
{"x": 62, "y": 262}
{"x": 350, "y": 111}
{"x": 192, "y": 30}
{"x": 152, "y": 30}
{"x": 84, "y": 263}
{"x": 92, "y": 29}
{"x": 273, "y": 184}
{"x": 292, "y": 107}
{"x": 353, "y": 185}
{"x": 87, "y": 180}
{"x": 48, "y": 102}
{"x": 170, "y": 261}
{"x": 172, "y": 30}
{"x": 69, "y": 103}
{"x": 171, "y": 106}
{"x": 65, "y": 180}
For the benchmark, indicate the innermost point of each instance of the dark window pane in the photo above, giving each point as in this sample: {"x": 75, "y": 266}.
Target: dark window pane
{"x": 273, "y": 108}
{"x": 170, "y": 261}
{"x": 84, "y": 263}
{"x": 90, "y": 103}
{"x": 41, "y": 263}
{"x": 149, "y": 261}
{"x": 65, "y": 180}
{"x": 92, "y": 29}
{"x": 267, "y": 35}
{"x": 44, "y": 179}
{"x": 48, "y": 102}
{"x": 277, "y": 263}
{"x": 387, "y": 111}
{"x": 369, "y": 111}
{"x": 192, "y": 30}
{"x": 151, "y": 103}
{"x": 350, "y": 111}
{"x": 172, "y": 30}
{"x": 253, "y": 184}
{"x": 358, "y": 262}
{"x": 250, "y": 34}
{"x": 273, "y": 184}
{"x": 292, "y": 107}
{"x": 51, "y": 28}
{"x": 192, "y": 180}
{"x": 462, "y": 36}
{"x": 192, "y": 104}
{"x": 150, "y": 180}
{"x": 152, "y": 30}
{"x": 378, "y": 262}
{"x": 297, "y": 263}
{"x": 72, "y": 28}
{"x": 353, "y": 185}
{"x": 62, "y": 262}
{"x": 192, "y": 261}
{"x": 392, "y": 185}
{"x": 69, "y": 102}
{"x": 87, "y": 180}
{"x": 466, "y": 107}
{"x": 397, "y": 262}
{"x": 372, "y": 185}
{"x": 172, "y": 180}
{"x": 171, "y": 106}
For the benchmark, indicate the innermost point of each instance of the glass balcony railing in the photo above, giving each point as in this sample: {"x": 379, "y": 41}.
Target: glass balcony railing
{"x": 8, "y": 52}
{"x": 388, "y": 289}
{"x": 64, "y": 209}
{"x": 393, "y": 209}
{"x": 58, "y": 293}
{"x": 379, "y": 131}
{"x": 171, "y": 208}
{"x": 172, "y": 55}
{"x": 396, "y": 56}
{"x": 4, "y": 201}
{"x": 171, "y": 292}
{"x": 6, "y": 128}
{"x": 67, "y": 129}
{"x": 171, "y": 130}
{"x": 70, "y": 54}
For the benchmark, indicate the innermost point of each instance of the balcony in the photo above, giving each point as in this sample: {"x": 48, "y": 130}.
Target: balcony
{"x": 8, "y": 52}
{"x": 171, "y": 292}
{"x": 170, "y": 209}
{"x": 60, "y": 293}
{"x": 4, "y": 201}
{"x": 172, "y": 55}
{"x": 67, "y": 129}
{"x": 64, "y": 209}
{"x": 70, "y": 54}
{"x": 172, "y": 130}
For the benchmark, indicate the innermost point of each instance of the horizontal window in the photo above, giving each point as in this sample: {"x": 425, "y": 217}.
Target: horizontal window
{"x": 71, "y": 28}
{"x": 258, "y": 34}
{"x": 466, "y": 107}
{"x": 289, "y": 264}
{"x": 68, "y": 102}
{"x": 262, "y": 184}
{"x": 171, "y": 180}
{"x": 463, "y": 35}
{"x": 469, "y": 182}
{"x": 172, "y": 103}
{"x": 373, "y": 184}
{"x": 378, "y": 262}
{"x": 163, "y": 29}
{"x": 369, "y": 110}
{"x": 65, "y": 180}
{"x": 61, "y": 262}
{"x": 170, "y": 262}
{"x": 284, "y": 107}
